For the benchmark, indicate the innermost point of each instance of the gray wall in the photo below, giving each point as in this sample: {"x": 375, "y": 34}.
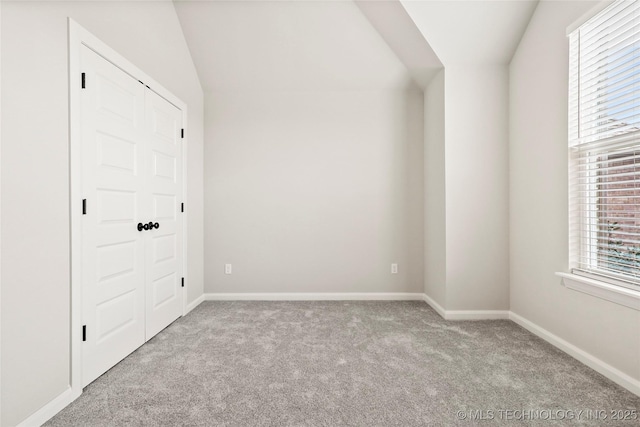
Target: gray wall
{"x": 477, "y": 189}
{"x": 35, "y": 175}
{"x": 314, "y": 191}
{"x": 314, "y": 150}
{"x": 467, "y": 193}
{"x": 539, "y": 200}
{"x": 435, "y": 237}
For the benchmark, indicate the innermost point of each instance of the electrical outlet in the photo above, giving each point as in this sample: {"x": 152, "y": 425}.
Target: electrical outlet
{"x": 227, "y": 269}
{"x": 394, "y": 268}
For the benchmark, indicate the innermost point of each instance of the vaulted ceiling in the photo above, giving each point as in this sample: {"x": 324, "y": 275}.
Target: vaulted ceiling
{"x": 398, "y": 30}
{"x": 345, "y": 44}
{"x": 472, "y": 31}
{"x": 287, "y": 45}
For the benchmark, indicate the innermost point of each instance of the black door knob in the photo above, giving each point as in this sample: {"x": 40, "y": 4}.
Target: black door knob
{"x": 149, "y": 226}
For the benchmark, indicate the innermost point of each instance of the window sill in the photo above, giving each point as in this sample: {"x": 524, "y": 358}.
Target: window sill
{"x": 597, "y": 288}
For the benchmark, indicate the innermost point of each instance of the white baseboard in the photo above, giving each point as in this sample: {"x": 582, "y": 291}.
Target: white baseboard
{"x": 477, "y": 314}
{"x": 437, "y": 307}
{"x": 194, "y": 304}
{"x": 465, "y": 314}
{"x": 45, "y": 413}
{"x": 363, "y": 296}
{"x": 303, "y": 296}
{"x": 591, "y": 361}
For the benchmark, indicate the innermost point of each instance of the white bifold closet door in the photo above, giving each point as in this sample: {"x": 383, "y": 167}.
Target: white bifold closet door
{"x": 131, "y": 175}
{"x": 163, "y": 263}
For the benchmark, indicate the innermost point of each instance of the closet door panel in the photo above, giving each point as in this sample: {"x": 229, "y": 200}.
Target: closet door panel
{"x": 113, "y": 183}
{"x": 164, "y": 184}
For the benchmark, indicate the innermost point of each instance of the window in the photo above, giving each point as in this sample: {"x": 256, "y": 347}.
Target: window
{"x": 604, "y": 145}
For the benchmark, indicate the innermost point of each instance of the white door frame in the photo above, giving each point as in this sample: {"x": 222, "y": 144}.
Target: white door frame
{"x": 78, "y": 37}
{"x": 0, "y": 219}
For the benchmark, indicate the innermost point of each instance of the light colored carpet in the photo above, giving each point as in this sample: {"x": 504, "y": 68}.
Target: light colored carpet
{"x": 342, "y": 363}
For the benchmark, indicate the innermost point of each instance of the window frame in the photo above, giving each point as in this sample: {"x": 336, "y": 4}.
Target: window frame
{"x": 609, "y": 285}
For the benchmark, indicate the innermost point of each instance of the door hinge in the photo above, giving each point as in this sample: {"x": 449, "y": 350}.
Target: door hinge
{"x": 182, "y": 133}
{"x": 183, "y": 282}
{"x": 84, "y": 206}
{"x": 181, "y": 207}
{"x": 84, "y": 332}
{"x": 83, "y": 80}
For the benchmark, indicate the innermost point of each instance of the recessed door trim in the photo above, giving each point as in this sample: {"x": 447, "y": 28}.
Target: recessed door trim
{"x": 79, "y": 37}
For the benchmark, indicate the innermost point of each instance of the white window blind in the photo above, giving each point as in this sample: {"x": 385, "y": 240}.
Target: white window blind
{"x": 604, "y": 143}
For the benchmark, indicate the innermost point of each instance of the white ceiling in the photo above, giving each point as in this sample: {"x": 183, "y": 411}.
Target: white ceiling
{"x": 472, "y": 31}
{"x": 342, "y": 44}
{"x": 287, "y": 45}
{"x": 397, "y": 28}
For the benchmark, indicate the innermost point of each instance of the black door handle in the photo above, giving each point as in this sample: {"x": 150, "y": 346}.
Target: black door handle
{"x": 149, "y": 226}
